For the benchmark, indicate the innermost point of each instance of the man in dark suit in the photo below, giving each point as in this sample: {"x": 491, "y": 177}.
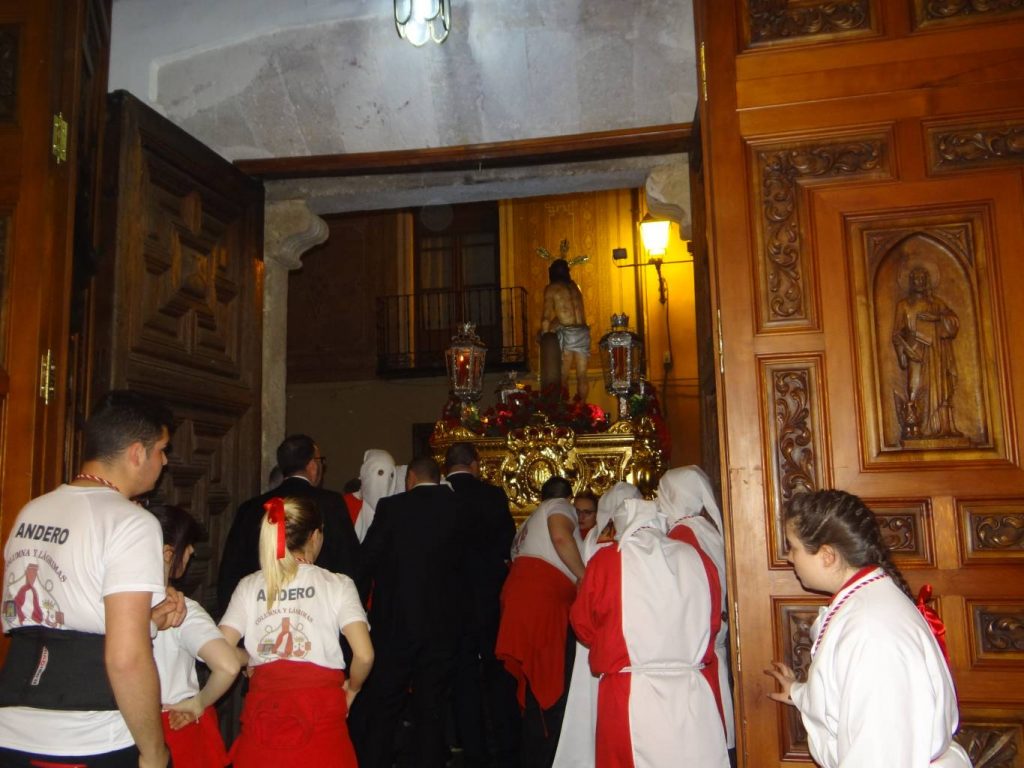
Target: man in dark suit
{"x": 484, "y": 691}
{"x": 302, "y": 466}
{"x": 414, "y": 553}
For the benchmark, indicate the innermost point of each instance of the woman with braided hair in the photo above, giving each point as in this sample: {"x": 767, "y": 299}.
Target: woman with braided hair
{"x": 878, "y": 689}
{"x": 290, "y": 613}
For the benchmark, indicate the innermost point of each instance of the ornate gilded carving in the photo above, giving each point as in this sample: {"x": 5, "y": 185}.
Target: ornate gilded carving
{"x": 8, "y": 70}
{"x": 773, "y": 20}
{"x": 976, "y": 146}
{"x": 926, "y": 338}
{"x": 521, "y": 461}
{"x": 991, "y": 745}
{"x": 785, "y": 292}
{"x": 931, "y": 11}
{"x": 999, "y": 630}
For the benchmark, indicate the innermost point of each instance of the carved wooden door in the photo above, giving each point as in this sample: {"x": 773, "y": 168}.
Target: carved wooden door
{"x": 865, "y": 223}
{"x": 179, "y": 309}
{"x": 41, "y": 118}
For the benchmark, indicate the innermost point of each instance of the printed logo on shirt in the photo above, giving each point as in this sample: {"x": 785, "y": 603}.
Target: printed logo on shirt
{"x": 53, "y": 534}
{"x": 284, "y": 641}
{"x": 28, "y": 599}
{"x": 293, "y": 593}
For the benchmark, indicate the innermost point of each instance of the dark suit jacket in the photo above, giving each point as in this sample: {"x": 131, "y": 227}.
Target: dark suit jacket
{"x": 490, "y": 529}
{"x": 241, "y": 555}
{"x": 414, "y": 554}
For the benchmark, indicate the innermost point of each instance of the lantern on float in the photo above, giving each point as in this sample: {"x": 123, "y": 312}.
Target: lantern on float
{"x": 464, "y": 360}
{"x": 622, "y": 353}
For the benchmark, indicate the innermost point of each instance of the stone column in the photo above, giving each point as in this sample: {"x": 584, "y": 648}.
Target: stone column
{"x": 290, "y": 229}
{"x": 667, "y": 191}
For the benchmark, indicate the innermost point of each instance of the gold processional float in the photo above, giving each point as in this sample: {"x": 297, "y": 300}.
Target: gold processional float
{"x": 531, "y": 435}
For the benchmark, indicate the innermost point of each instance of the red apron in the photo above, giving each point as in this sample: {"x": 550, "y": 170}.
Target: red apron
{"x": 535, "y": 604}
{"x": 294, "y": 714}
{"x": 198, "y": 744}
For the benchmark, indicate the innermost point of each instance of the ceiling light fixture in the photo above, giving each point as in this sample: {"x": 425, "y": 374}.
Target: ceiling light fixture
{"x": 420, "y": 21}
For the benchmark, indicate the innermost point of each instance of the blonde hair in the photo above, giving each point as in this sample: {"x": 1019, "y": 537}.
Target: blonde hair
{"x": 301, "y": 519}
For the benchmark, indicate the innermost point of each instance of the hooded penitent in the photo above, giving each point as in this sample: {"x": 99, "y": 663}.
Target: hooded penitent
{"x": 683, "y": 492}
{"x": 376, "y": 480}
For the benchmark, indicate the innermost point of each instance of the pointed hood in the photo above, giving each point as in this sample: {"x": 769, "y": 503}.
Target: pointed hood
{"x": 683, "y": 492}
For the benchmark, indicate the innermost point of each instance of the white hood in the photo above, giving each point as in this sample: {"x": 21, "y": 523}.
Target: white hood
{"x": 683, "y": 492}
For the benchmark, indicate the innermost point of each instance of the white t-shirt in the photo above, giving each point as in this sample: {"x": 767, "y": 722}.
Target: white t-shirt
{"x": 68, "y": 550}
{"x": 534, "y": 540}
{"x": 176, "y": 650}
{"x": 304, "y": 623}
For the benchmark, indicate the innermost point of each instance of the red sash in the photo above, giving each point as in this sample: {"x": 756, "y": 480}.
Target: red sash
{"x": 294, "y": 714}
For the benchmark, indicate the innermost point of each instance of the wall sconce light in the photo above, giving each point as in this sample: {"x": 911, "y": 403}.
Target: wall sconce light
{"x": 420, "y": 21}
{"x": 654, "y": 234}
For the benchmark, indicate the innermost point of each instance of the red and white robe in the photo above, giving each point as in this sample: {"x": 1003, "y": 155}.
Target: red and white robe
{"x": 649, "y": 611}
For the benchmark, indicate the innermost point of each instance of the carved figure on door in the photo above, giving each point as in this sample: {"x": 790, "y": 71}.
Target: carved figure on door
{"x": 924, "y": 330}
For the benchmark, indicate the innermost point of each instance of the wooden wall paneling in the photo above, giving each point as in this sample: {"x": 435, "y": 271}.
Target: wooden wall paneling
{"x": 179, "y": 308}
{"x": 907, "y": 529}
{"x": 332, "y": 309}
{"x": 594, "y": 223}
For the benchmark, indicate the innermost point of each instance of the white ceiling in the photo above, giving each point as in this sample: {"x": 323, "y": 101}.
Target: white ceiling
{"x": 266, "y": 78}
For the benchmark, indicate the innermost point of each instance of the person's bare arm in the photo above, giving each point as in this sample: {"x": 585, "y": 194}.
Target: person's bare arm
{"x": 224, "y": 664}
{"x": 561, "y": 528}
{"x": 128, "y": 654}
{"x": 358, "y": 636}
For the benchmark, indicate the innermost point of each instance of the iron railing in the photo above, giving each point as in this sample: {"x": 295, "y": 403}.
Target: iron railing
{"x": 413, "y": 330}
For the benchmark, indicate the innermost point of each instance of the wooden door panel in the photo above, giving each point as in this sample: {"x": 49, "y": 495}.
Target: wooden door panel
{"x": 179, "y": 310}
{"x": 844, "y": 145}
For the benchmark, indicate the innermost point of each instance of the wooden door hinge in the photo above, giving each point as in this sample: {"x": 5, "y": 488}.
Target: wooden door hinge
{"x": 703, "y": 74}
{"x": 47, "y": 377}
{"x": 60, "y": 138}
{"x": 721, "y": 343}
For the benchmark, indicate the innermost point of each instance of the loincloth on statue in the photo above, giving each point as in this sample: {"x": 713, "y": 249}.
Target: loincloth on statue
{"x": 574, "y": 338}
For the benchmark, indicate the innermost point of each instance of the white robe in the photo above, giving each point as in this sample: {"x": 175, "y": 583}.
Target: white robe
{"x": 576, "y": 740}
{"x": 878, "y": 690}
{"x": 653, "y": 631}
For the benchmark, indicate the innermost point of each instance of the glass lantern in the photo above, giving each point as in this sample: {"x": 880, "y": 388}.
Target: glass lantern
{"x": 464, "y": 360}
{"x": 622, "y": 353}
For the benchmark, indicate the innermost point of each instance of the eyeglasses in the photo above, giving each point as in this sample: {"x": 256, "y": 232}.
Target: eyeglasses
{"x": 321, "y": 459}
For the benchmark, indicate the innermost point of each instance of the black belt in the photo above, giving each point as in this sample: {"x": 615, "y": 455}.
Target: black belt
{"x": 56, "y": 669}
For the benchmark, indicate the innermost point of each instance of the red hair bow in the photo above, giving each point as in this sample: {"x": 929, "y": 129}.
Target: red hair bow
{"x": 934, "y": 622}
{"x": 275, "y": 516}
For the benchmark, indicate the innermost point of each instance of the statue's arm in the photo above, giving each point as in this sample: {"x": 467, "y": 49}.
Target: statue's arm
{"x": 550, "y": 314}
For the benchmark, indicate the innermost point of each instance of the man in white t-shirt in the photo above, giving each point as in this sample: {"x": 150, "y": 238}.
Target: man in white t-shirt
{"x": 534, "y": 639}
{"x": 83, "y": 572}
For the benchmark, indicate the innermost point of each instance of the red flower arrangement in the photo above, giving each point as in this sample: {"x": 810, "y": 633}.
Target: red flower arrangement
{"x": 553, "y": 402}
